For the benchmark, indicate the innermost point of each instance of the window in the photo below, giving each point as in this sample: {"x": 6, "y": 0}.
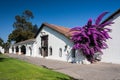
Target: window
{"x": 73, "y": 53}
{"x": 30, "y": 50}
{"x": 60, "y": 52}
{"x": 50, "y": 49}
{"x": 40, "y": 51}
{"x": 65, "y": 48}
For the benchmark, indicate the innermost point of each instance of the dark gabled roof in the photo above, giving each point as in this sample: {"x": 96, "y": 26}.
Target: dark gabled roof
{"x": 64, "y": 31}
{"x": 111, "y": 16}
{"x": 26, "y": 41}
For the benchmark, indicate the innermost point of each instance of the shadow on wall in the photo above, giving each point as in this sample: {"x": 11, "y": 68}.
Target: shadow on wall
{"x": 71, "y": 56}
{"x": 80, "y": 58}
{"x": 76, "y": 56}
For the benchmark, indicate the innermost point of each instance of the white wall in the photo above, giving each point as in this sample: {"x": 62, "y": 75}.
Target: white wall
{"x": 28, "y": 51}
{"x": 10, "y": 49}
{"x": 34, "y": 48}
{"x": 1, "y": 50}
{"x": 56, "y": 41}
{"x": 112, "y": 54}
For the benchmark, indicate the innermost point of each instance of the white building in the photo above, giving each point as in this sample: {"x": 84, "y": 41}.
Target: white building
{"x": 23, "y": 48}
{"x": 53, "y": 42}
{"x": 1, "y": 50}
{"x": 112, "y": 54}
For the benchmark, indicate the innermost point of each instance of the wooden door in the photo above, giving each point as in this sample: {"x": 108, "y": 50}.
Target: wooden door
{"x": 44, "y": 45}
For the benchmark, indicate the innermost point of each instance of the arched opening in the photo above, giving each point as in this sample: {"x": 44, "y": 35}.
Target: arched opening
{"x": 17, "y": 49}
{"x": 30, "y": 51}
{"x": 60, "y": 52}
{"x": 23, "y": 49}
{"x": 40, "y": 51}
{"x": 50, "y": 49}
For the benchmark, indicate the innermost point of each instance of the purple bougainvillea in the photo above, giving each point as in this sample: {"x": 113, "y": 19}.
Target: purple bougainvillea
{"x": 91, "y": 38}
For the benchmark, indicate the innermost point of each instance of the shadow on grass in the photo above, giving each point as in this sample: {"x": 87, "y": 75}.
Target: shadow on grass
{"x": 3, "y": 59}
{"x": 59, "y": 78}
{"x": 71, "y": 78}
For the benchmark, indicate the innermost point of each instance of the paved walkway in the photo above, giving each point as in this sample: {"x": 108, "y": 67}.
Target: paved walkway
{"x": 98, "y": 71}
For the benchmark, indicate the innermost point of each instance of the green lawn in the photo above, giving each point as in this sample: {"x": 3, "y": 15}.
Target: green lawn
{"x": 13, "y": 69}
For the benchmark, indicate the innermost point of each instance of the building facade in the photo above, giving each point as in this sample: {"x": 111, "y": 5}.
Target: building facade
{"x": 1, "y": 50}
{"x": 53, "y": 42}
{"x": 112, "y": 53}
{"x": 23, "y": 48}
{"x": 50, "y": 42}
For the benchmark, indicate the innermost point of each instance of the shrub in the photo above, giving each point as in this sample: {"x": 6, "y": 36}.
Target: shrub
{"x": 91, "y": 38}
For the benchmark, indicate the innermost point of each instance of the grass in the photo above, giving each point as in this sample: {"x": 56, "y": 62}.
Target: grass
{"x": 13, "y": 69}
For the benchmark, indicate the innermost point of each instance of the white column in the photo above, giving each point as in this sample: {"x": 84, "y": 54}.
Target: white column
{"x": 27, "y": 50}
{"x": 19, "y": 47}
{"x": 14, "y": 50}
{"x": 34, "y": 50}
{"x": 10, "y": 49}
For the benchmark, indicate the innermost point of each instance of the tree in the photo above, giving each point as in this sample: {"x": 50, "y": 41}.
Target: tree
{"x": 91, "y": 38}
{"x": 6, "y": 46}
{"x": 35, "y": 29}
{"x": 23, "y": 28}
{"x": 1, "y": 42}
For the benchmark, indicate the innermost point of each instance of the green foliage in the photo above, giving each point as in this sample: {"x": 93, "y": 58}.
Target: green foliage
{"x": 13, "y": 69}
{"x": 28, "y": 14}
{"x": 20, "y": 35}
{"x": 4, "y": 45}
{"x": 35, "y": 29}
{"x": 1, "y": 42}
{"x": 23, "y": 28}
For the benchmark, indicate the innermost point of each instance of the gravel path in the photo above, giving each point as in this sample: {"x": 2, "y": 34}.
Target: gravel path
{"x": 98, "y": 71}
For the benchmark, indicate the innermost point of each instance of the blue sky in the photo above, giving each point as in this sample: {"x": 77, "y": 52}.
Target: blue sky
{"x": 68, "y": 13}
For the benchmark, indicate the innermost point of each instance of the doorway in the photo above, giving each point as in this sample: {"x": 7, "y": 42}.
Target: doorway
{"x": 44, "y": 45}
{"x": 23, "y": 49}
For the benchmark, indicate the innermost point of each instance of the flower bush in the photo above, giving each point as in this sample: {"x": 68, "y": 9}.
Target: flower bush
{"x": 91, "y": 38}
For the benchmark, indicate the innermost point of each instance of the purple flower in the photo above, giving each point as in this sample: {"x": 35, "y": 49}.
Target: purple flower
{"x": 91, "y": 38}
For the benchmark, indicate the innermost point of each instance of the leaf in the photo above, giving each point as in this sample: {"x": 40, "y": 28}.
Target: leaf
{"x": 89, "y": 22}
{"x": 106, "y": 24}
{"x": 98, "y": 20}
{"x": 107, "y": 29}
{"x": 75, "y": 29}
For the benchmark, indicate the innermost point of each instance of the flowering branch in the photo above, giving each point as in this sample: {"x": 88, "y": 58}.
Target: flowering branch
{"x": 91, "y": 38}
